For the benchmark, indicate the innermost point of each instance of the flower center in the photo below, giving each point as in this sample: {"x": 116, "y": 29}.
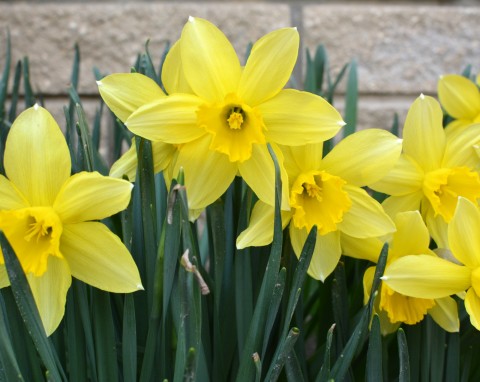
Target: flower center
{"x": 235, "y": 127}
{"x": 401, "y": 308}
{"x": 442, "y": 188}
{"x": 34, "y": 234}
{"x": 317, "y": 198}
{"x": 235, "y": 120}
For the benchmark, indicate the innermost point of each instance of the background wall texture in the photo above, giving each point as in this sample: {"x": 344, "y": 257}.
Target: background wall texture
{"x": 401, "y": 50}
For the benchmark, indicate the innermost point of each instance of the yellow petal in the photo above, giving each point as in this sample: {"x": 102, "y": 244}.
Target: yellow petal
{"x": 173, "y": 77}
{"x": 425, "y": 276}
{"x": 259, "y": 173}
{"x": 4, "y": 280}
{"x": 463, "y": 233}
{"x": 472, "y": 306}
{"x": 295, "y": 118}
{"x": 364, "y": 157}
{"x": 459, "y": 96}
{"x": 302, "y": 159}
{"x": 37, "y": 159}
{"x": 209, "y": 61}
{"x": 50, "y": 292}
{"x": 367, "y": 284}
{"x": 366, "y": 217}
{"x": 396, "y": 204}
{"x": 127, "y": 164}
{"x": 10, "y": 197}
{"x": 260, "y": 229}
{"x": 269, "y": 66}
{"x": 445, "y": 314}
{"x": 97, "y": 257}
{"x": 411, "y": 237}
{"x": 91, "y": 196}
{"x": 326, "y": 253}
{"x": 126, "y": 92}
{"x": 172, "y": 119}
{"x": 423, "y": 135}
{"x": 404, "y": 178}
{"x": 437, "y": 226}
{"x": 460, "y": 149}
{"x": 366, "y": 249}
{"x": 207, "y": 173}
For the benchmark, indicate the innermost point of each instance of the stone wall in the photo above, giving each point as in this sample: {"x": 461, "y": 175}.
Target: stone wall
{"x": 400, "y": 49}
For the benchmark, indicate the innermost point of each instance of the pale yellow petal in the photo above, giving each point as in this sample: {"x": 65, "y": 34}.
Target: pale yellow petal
{"x": 208, "y": 173}
{"x": 126, "y": 92}
{"x": 364, "y": 157}
{"x": 404, "y": 178}
{"x": 445, "y": 314}
{"x": 269, "y": 66}
{"x": 423, "y": 135}
{"x": 10, "y": 197}
{"x": 259, "y": 173}
{"x": 4, "y": 280}
{"x": 97, "y": 257}
{"x": 50, "y": 292}
{"x": 326, "y": 253}
{"x": 460, "y": 149}
{"x": 459, "y": 96}
{"x": 91, "y": 196}
{"x": 396, "y": 204}
{"x": 260, "y": 229}
{"x": 436, "y": 225}
{"x": 366, "y": 249}
{"x": 425, "y": 276}
{"x": 173, "y": 77}
{"x": 302, "y": 159}
{"x": 367, "y": 285}
{"x": 210, "y": 64}
{"x": 172, "y": 119}
{"x": 127, "y": 164}
{"x": 366, "y": 217}
{"x": 472, "y": 306}
{"x": 463, "y": 233}
{"x": 37, "y": 159}
{"x": 295, "y": 118}
{"x": 411, "y": 236}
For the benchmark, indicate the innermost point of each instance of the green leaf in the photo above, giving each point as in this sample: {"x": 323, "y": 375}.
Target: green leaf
{"x": 27, "y": 87}
{"x": 246, "y": 371}
{"x": 129, "y": 340}
{"x": 351, "y": 100}
{"x": 374, "y": 353}
{"x": 404, "y": 362}
{"x": 293, "y": 369}
{"x": 5, "y": 77}
{"x": 325, "y": 369}
{"x": 15, "y": 91}
{"x": 8, "y": 362}
{"x": 28, "y": 310}
{"x": 452, "y": 372}
{"x": 286, "y": 348}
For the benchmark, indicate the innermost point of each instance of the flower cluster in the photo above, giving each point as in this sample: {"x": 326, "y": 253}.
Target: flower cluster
{"x": 214, "y": 118}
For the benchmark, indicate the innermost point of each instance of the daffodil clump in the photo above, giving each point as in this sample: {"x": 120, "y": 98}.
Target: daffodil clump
{"x": 230, "y": 194}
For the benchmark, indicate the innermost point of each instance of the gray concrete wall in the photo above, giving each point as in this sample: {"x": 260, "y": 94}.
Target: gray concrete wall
{"x": 400, "y": 49}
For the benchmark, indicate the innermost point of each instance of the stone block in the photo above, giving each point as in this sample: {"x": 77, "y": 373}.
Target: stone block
{"x": 399, "y": 49}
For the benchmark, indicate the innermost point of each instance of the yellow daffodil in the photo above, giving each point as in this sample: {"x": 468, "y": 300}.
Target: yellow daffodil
{"x": 124, "y": 96}
{"x": 49, "y": 218}
{"x": 460, "y": 98}
{"x": 410, "y": 238}
{"x": 327, "y": 192}
{"x": 436, "y": 167}
{"x": 222, "y": 115}
{"x": 430, "y": 277}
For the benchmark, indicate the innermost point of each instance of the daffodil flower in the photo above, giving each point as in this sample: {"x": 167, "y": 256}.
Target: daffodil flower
{"x": 50, "y": 218}
{"x": 460, "y": 98}
{"x": 431, "y": 277}
{"x": 222, "y": 115}
{"x": 327, "y": 192}
{"x": 124, "y": 96}
{"x": 410, "y": 238}
{"x": 436, "y": 167}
